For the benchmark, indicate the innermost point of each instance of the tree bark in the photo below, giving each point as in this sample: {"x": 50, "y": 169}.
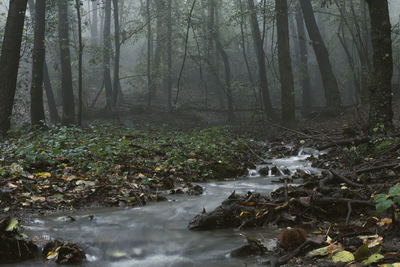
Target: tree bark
{"x": 80, "y": 55}
{"x": 261, "y": 61}
{"x": 9, "y": 61}
{"x": 149, "y": 55}
{"x": 94, "y": 27}
{"x": 68, "y": 116}
{"x": 332, "y": 94}
{"x": 169, "y": 54}
{"x": 304, "y": 74}
{"x": 54, "y": 117}
{"x": 117, "y": 84}
{"x": 285, "y": 62}
{"x": 107, "y": 55}
{"x": 380, "y": 88}
{"x": 39, "y": 51}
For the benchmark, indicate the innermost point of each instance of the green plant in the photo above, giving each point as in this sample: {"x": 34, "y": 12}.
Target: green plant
{"x": 385, "y": 201}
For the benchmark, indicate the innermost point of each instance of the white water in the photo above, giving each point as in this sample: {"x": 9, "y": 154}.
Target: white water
{"x": 157, "y": 235}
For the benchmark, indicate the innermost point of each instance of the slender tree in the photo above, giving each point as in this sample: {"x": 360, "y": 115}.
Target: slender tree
{"x": 54, "y": 117}
{"x": 39, "y": 51}
{"x": 80, "y": 55}
{"x": 285, "y": 62}
{"x": 117, "y": 33}
{"x": 304, "y": 74}
{"x": 66, "y": 72}
{"x": 149, "y": 55}
{"x": 262, "y": 71}
{"x": 381, "y": 111}
{"x": 332, "y": 94}
{"x": 107, "y": 55}
{"x": 94, "y": 27}
{"x": 9, "y": 61}
{"x": 169, "y": 54}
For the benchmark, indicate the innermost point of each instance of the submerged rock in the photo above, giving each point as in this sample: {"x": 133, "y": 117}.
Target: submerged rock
{"x": 63, "y": 253}
{"x": 14, "y": 247}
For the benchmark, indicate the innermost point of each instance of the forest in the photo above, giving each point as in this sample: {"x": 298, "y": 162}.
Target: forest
{"x": 193, "y": 132}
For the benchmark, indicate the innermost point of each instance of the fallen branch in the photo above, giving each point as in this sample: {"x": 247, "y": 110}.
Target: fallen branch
{"x": 353, "y": 141}
{"x": 378, "y": 168}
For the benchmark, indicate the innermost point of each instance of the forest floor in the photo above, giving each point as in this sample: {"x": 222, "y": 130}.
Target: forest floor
{"x": 107, "y": 164}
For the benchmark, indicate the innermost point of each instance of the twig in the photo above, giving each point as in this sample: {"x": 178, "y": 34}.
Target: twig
{"x": 349, "y": 210}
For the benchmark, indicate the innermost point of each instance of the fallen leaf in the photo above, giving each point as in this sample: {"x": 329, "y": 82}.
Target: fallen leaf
{"x": 343, "y": 256}
{"x": 373, "y": 258}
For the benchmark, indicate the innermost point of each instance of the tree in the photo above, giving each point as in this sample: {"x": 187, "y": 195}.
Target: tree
{"x": 68, "y": 116}
{"x": 39, "y": 51}
{"x": 54, "y": 117}
{"x": 262, "y": 71}
{"x": 117, "y": 31}
{"x": 380, "y": 88}
{"x": 332, "y": 94}
{"x": 107, "y": 55}
{"x": 285, "y": 62}
{"x": 80, "y": 55}
{"x": 169, "y": 54}
{"x": 9, "y": 61}
{"x": 304, "y": 74}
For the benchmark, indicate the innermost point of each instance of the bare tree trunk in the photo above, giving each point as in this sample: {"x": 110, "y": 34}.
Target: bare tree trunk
{"x": 66, "y": 72}
{"x": 160, "y": 6}
{"x": 9, "y": 61}
{"x": 261, "y": 61}
{"x": 54, "y": 117}
{"x": 117, "y": 84}
{"x": 80, "y": 55}
{"x": 381, "y": 83}
{"x": 285, "y": 62}
{"x": 107, "y": 55}
{"x": 37, "y": 109}
{"x": 94, "y": 27}
{"x": 149, "y": 55}
{"x": 169, "y": 54}
{"x": 305, "y": 76}
{"x": 332, "y": 94}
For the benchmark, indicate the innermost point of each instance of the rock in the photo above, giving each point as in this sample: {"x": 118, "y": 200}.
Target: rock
{"x": 248, "y": 250}
{"x": 63, "y": 253}
{"x": 264, "y": 171}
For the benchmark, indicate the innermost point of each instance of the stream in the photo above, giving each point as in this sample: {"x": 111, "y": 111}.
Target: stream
{"x": 157, "y": 234}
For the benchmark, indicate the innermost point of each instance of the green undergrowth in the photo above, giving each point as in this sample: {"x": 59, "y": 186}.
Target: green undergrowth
{"x": 69, "y": 162}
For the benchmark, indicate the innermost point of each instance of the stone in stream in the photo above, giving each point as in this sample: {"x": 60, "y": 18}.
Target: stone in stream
{"x": 63, "y": 253}
{"x": 14, "y": 247}
{"x": 236, "y": 211}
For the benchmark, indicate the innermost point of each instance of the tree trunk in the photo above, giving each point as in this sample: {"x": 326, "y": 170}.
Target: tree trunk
{"x": 261, "y": 61}
{"x": 117, "y": 84}
{"x": 160, "y": 6}
{"x": 37, "y": 109}
{"x": 149, "y": 55}
{"x": 94, "y": 28}
{"x": 169, "y": 54}
{"x": 380, "y": 88}
{"x": 107, "y": 55}
{"x": 66, "y": 72}
{"x": 332, "y": 94}
{"x": 80, "y": 55}
{"x": 304, "y": 74}
{"x": 285, "y": 62}
{"x": 9, "y": 61}
{"x": 54, "y": 117}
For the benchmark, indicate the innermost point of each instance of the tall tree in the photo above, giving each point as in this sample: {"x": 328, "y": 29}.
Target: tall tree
{"x": 94, "y": 27}
{"x": 262, "y": 71}
{"x": 51, "y": 103}
{"x": 332, "y": 93}
{"x": 169, "y": 54}
{"x": 117, "y": 33}
{"x": 304, "y": 74}
{"x": 380, "y": 88}
{"x": 285, "y": 62}
{"x": 107, "y": 54}
{"x": 68, "y": 116}
{"x": 37, "y": 109}
{"x": 160, "y": 36}
{"x": 149, "y": 54}
{"x": 80, "y": 58}
{"x": 9, "y": 61}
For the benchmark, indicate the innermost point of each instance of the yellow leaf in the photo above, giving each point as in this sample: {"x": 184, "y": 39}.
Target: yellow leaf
{"x": 157, "y": 169}
{"x": 343, "y": 256}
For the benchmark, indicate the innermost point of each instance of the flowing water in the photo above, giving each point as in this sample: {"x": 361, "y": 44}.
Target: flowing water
{"x": 157, "y": 234}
